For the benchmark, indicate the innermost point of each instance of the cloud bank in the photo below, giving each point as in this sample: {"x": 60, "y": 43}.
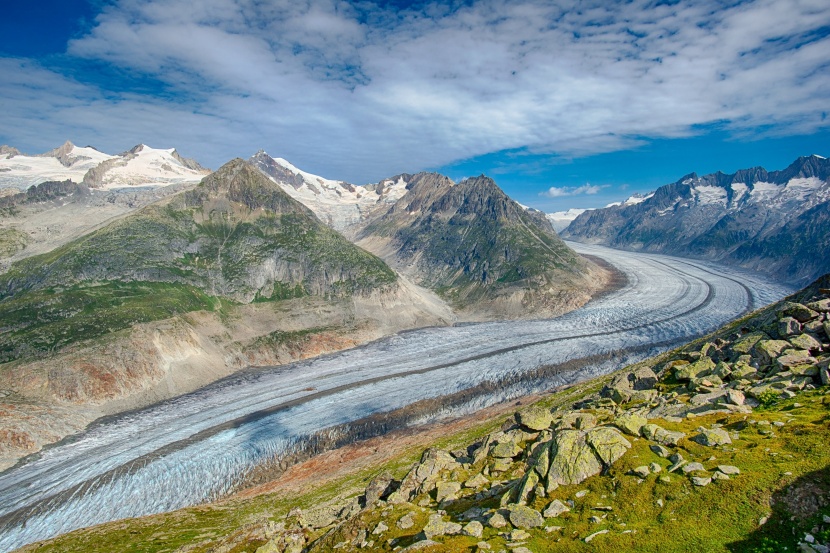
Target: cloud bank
{"x": 562, "y": 191}
{"x": 359, "y": 91}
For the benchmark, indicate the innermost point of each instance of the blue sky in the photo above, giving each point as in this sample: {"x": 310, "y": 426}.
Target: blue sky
{"x": 565, "y": 103}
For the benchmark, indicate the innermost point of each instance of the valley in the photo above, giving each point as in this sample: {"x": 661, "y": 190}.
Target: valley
{"x": 207, "y": 443}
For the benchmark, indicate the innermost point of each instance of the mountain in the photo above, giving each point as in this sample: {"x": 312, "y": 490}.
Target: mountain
{"x": 560, "y": 220}
{"x": 337, "y": 203}
{"x": 776, "y": 222}
{"x": 226, "y": 274}
{"x": 483, "y": 252}
{"x": 141, "y": 165}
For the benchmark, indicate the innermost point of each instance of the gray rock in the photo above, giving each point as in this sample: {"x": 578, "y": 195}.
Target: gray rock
{"x": 641, "y": 471}
{"x": 693, "y": 467}
{"x": 718, "y": 475}
{"x": 805, "y": 342}
{"x": 608, "y": 444}
{"x": 768, "y": 350}
{"x": 555, "y": 509}
{"x": 661, "y": 435}
{"x": 446, "y": 490}
{"x": 660, "y": 450}
{"x": 522, "y": 516}
{"x": 788, "y": 326}
{"x": 630, "y": 423}
{"x": 406, "y": 522}
{"x": 579, "y": 421}
{"x": 729, "y": 469}
{"x": 476, "y": 481}
{"x": 423, "y": 544}
{"x": 595, "y": 534}
{"x": 655, "y": 468}
{"x": 735, "y": 397}
{"x": 379, "y": 487}
{"x": 800, "y": 312}
{"x": 535, "y": 418}
{"x": 474, "y": 529}
{"x": 497, "y": 521}
{"x": 436, "y": 526}
{"x": 701, "y": 480}
{"x": 711, "y": 437}
{"x": 702, "y": 367}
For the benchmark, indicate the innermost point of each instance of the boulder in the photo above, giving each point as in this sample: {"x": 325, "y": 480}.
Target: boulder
{"x": 406, "y": 522}
{"x": 745, "y": 344}
{"x": 660, "y": 451}
{"x": 630, "y": 423}
{"x": 505, "y": 450}
{"x": 535, "y": 418}
{"x": 572, "y": 460}
{"x": 446, "y": 490}
{"x": 712, "y": 437}
{"x": 722, "y": 370}
{"x": 701, "y": 480}
{"x": 820, "y": 306}
{"x": 641, "y": 471}
{"x": 660, "y": 435}
{"x": 735, "y": 397}
{"x": 379, "y": 488}
{"x": 700, "y": 368}
{"x": 768, "y": 350}
{"x": 800, "y": 312}
{"x": 729, "y": 469}
{"x": 795, "y": 358}
{"x": 788, "y": 326}
{"x": 608, "y": 444}
{"x": 580, "y": 421}
{"x": 528, "y": 485}
{"x": 437, "y": 526}
{"x": 693, "y": 467}
{"x": 555, "y": 509}
{"x": 805, "y": 342}
{"x": 497, "y": 521}
{"x": 522, "y": 516}
{"x": 476, "y": 481}
{"x": 474, "y": 529}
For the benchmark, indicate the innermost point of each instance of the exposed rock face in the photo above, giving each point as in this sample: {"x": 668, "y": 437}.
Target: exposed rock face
{"x": 775, "y": 222}
{"x": 481, "y": 250}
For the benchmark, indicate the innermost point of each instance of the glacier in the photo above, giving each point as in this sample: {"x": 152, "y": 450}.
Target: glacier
{"x": 199, "y": 447}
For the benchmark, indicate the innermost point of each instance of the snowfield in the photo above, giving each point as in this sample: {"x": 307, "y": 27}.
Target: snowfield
{"x": 197, "y": 447}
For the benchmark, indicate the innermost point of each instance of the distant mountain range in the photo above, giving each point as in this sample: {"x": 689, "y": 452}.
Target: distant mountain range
{"x": 775, "y": 222}
{"x": 140, "y": 165}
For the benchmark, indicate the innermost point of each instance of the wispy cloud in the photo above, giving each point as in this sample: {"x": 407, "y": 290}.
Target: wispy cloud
{"x": 559, "y": 192}
{"x": 359, "y": 90}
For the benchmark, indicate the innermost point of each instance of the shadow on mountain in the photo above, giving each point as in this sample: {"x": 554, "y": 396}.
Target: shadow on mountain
{"x": 797, "y": 509}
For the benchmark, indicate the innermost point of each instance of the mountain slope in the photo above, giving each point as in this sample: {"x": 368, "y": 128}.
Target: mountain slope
{"x": 337, "y": 203}
{"x": 480, "y": 249}
{"x": 770, "y": 221}
{"x": 141, "y": 165}
{"x": 227, "y": 274}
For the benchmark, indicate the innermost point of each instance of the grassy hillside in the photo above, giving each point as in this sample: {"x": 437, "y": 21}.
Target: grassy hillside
{"x": 235, "y": 238}
{"x": 472, "y": 243}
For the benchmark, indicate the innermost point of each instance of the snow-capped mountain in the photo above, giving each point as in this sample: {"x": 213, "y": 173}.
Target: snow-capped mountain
{"x": 561, "y": 219}
{"x": 141, "y": 165}
{"x": 337, "y": 203}
{"x": 777, "y": 222}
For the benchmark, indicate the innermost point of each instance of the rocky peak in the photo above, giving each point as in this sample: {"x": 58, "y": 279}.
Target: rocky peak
{"x": 188, "y": 162}
{"x": 9, "y": 151}
{"x": 62, "y": 154}
{"x": 239, "y": 181}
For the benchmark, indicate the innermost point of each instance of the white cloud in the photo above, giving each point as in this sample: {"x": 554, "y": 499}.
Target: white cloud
{"x": 561, "y": 191}
{"x": 356, "y": 91}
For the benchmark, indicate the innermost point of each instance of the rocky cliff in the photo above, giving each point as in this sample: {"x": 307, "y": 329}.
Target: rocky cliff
{"x": 773, "y": 222}
{"x": 480, "y": 250}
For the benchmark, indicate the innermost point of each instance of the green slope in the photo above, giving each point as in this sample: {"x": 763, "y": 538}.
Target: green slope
{"x": 234, "y": 238}
{"x": 471, "y": 242}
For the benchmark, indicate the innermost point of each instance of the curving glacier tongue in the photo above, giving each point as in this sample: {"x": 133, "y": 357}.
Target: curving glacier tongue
{"x": 200, "y": 446}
